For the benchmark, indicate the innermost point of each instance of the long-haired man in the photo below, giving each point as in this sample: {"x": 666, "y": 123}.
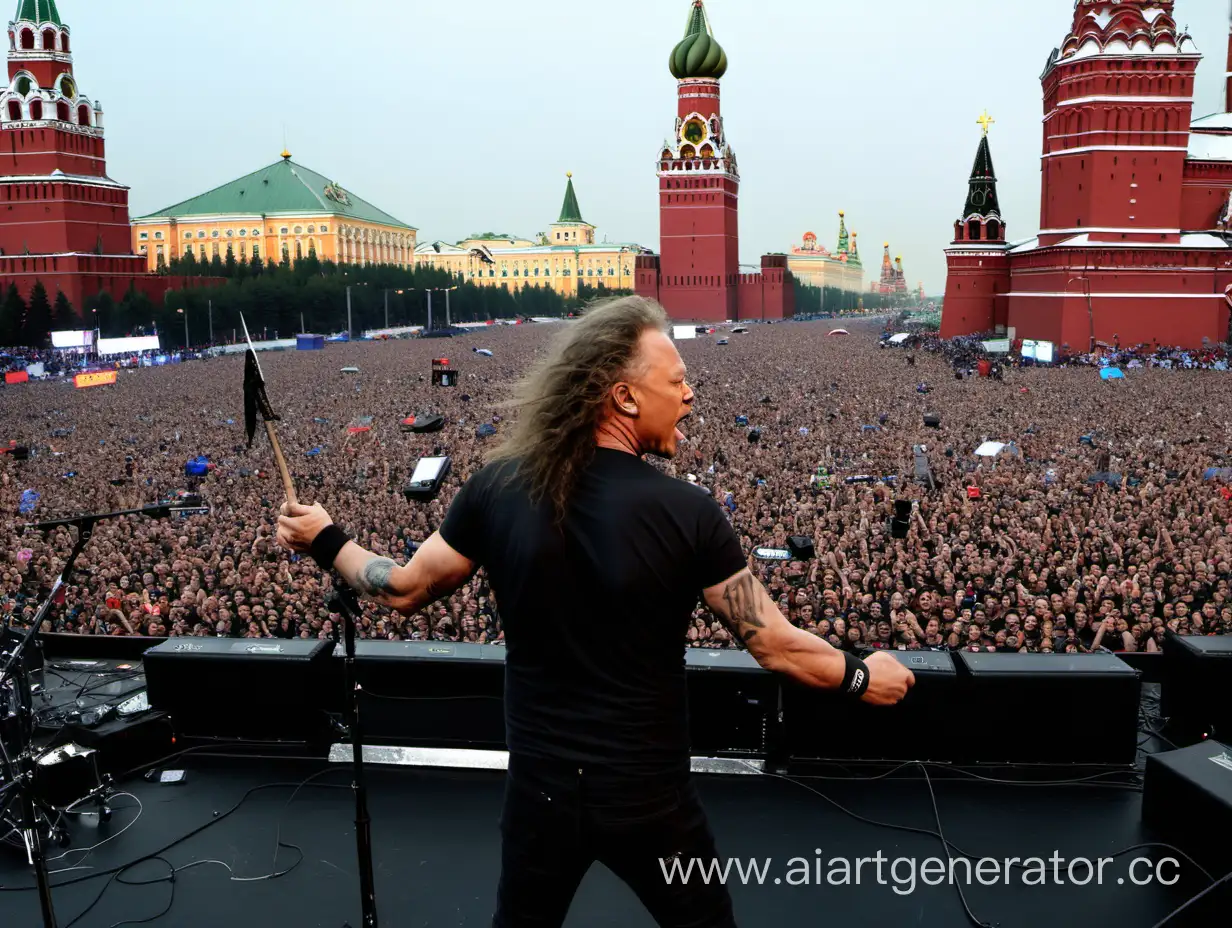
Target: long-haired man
{"x": 580, "y": 538}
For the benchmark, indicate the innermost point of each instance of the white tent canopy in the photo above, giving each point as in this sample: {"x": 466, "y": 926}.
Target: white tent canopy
{"x": 899, "y": 338}
{"x": 990, "y": 449}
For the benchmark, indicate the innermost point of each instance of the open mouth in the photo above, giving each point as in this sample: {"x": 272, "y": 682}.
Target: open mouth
{"x": 680, "y": 436}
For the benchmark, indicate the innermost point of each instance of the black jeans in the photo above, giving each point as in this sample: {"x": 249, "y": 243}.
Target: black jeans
{"x": 558, "y": 820}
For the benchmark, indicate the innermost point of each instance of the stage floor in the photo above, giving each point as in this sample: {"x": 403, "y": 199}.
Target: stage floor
{"x": 437, "y": 852}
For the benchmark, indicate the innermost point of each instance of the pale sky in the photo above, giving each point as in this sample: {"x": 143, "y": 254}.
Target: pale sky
{"x": 463, "y": 117}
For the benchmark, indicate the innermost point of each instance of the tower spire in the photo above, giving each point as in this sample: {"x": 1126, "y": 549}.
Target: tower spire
{"x": 982, "y": 193}
{"x": 570, "y": 211}
{"x": 888, "y": 278}
{"x": 855, "y": 248}
{"x": 981, "y": 216}
{"x": 844, "y": 243}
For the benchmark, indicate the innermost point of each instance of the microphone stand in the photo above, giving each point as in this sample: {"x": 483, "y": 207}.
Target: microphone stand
{"x": 346, "y": 601}
{"x": 23, "y": 765}
{"x": 22, "y": 775}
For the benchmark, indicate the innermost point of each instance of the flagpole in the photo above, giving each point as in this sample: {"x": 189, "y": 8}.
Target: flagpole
{"x": 255, "y": 400}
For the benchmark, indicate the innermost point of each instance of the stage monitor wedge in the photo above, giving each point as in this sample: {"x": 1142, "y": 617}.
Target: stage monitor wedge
{"x": 1096, "y": 698}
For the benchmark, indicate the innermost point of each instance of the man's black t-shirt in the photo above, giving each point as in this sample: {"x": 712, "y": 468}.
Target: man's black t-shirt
{"x": 595, "y": 612}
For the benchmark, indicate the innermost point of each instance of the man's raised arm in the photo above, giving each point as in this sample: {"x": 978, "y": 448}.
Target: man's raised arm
{"x": 753, "y": 617}
{"x": 435, "y": 571}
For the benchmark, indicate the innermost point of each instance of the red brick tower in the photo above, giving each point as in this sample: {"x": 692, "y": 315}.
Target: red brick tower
{"x": 1136, "y": 203}
{"x": 979, "y": 265}
{"x": 1117, "y": 102}
{"x": 62, "y": 219}
{"x": 699, "y": 186}
{"x": 697, "y": 275}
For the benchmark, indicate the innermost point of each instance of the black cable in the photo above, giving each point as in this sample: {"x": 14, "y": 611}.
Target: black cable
{"x": 962, "y": 897}
{"x": 196, "y": 831}
{"x": 115, "y": 878}
{"x": 1181, "y": 908}
{"x": 949, "y": 844}
{"x": 1079, "y": 781}
{"x": 366, "y": 692}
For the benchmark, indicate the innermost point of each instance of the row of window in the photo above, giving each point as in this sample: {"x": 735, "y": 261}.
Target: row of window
{"x": 64, "y": 112}
{"x": 590, "y": 272}
{"x": 230, "y": 233}
{"x": 52, "y": 41}
{"x": 188, "y": 250}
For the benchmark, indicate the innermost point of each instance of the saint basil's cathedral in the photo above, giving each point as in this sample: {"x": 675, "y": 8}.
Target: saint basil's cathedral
{"x": 1135, "y": 240}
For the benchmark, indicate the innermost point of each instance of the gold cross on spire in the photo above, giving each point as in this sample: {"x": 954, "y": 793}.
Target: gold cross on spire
{"x": 985, "y": 121}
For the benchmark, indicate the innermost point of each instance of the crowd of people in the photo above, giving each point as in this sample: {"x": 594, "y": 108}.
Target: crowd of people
{"x": 1101, "y": 522}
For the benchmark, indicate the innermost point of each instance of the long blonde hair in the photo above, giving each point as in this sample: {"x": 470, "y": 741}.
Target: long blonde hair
{"x": 562, "y": 400}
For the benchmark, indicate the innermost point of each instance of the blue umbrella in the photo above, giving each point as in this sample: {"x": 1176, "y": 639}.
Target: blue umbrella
{"x": 1112, "y": 373}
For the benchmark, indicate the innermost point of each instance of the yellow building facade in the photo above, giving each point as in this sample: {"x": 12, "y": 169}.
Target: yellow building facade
{"x": 281, "y": 211}
{"x": 815, "y": 265}
{"x": 564, "y": 258}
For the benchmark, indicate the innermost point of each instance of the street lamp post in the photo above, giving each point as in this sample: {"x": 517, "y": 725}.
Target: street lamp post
{"x": 185, "y": 315}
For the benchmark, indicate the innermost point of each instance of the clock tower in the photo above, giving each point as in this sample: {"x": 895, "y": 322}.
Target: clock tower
{"x": 696, "y": 276}
{"x": 63, "y": 221}
{"x": 699, "y": 186}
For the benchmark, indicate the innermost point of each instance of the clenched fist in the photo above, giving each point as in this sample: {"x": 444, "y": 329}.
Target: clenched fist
{"x": 889, "y": 680}
{"x": 298, "y": 525}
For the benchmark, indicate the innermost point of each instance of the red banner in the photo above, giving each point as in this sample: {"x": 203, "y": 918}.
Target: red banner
{"x": 16, "y": 377}
{"x": 94, "y": 379}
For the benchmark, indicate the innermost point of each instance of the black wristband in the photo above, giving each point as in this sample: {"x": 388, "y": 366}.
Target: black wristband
{"x": 855, "y": 680}
{"x": 325, "y": 547}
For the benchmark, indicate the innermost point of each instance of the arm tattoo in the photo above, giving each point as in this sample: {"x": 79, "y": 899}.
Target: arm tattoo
{"x": 374, "y": 581}
{"x": 740, "y": 597}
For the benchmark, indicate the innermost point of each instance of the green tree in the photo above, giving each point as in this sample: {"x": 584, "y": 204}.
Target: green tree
{"x": 37, "y": 327}
{"x": 12, "y": 315}
{"x": 101, "y": 310}
{"x": 135, "y": 310}
{"x": 63, "y": 318}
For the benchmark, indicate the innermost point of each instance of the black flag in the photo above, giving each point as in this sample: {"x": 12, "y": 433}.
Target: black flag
{"x": 254, "y": 396}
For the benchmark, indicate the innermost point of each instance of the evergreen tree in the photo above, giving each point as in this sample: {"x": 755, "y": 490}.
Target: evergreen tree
{"x": 63, "y": 318}
{"x": 216, "y": 266}
{"x": 229, "y": 268}
{"x": 12, "y": 314}
{"x": 135, "y": 310}
{"x": 101, "y": 310}
{"x": 37, "y": 327}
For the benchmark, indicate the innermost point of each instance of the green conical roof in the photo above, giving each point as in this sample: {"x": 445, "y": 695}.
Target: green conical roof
{"x": 843, "y": 241}
{"x": 698, "y": 54}
{"x": 39, "y": 11}
{"x": 570, "y": 211}
{"x": 982, "y": 195}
